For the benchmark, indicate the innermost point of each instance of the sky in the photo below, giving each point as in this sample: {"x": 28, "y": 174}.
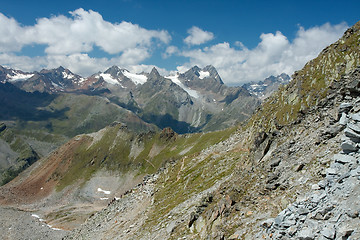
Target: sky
{"x": 245, "y": 40}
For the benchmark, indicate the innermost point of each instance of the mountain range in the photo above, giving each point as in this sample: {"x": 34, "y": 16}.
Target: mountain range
{"x": 44, "y": 109}
{"x": 120, "y": 155}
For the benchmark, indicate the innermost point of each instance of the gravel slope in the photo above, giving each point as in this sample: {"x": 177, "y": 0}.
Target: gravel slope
{"x": 16, "y": 224}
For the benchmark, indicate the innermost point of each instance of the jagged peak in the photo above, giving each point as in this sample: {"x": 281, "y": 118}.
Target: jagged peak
{"x": 195, "y": 69}
{"x": 61, "y": 68}
{"x": 113, "y": 68}
{"x": 213, "y": 73}
{"x": 154, "y": 73}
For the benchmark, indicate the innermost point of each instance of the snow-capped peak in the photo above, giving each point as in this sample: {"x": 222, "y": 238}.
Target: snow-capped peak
{"x": 135, "y": 78}
{"x": 16, "y": 76}
{"x": 109, "y": 79}
{"x": 68, "y": 75}
{"x": 203, "y": 74}
{"x": 191, "y": 92}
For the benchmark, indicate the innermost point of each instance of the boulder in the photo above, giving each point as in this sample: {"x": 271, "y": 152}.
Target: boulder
{"x": 306, "y": 234}
{"x": 345, "y": 107}
{"x": 343, "y": 119}
{"x": 328, "y": 232}
{"x": 355, "y": 117}
{"x": 343, "y": 159}
{"x": 348, "y": 146}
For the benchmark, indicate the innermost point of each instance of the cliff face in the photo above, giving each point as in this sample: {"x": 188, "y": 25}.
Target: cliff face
{"x": 290, "y": 172}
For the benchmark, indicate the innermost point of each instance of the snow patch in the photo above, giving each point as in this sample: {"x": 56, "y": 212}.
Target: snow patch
{"x": 42, "y": 220}
{"x": 203, "y": 74}
{"x": 191, "y": 92}
{"x": 56, "y": 85}
{"x": 18, "y": 76}
{"x": 109, "y": 79}
{"x": 68, "y": 76}
{"x": 135, "y": 78}
{"x": 104, "y": 191}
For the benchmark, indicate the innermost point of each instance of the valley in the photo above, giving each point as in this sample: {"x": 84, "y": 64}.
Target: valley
{"x": 122, "y": 155}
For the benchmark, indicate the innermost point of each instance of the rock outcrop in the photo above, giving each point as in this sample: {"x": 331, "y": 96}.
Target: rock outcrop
{"x": 331, "y": 209}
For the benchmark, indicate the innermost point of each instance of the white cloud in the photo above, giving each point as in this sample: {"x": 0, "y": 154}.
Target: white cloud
{"x": 79, "y": 33}
{"x": 69, "y": 40}
{"x": 10, "y": 39}
{"x": 170, "y": 50}
{"x": 274, "y": 54}
{"x": 198, "y": 36}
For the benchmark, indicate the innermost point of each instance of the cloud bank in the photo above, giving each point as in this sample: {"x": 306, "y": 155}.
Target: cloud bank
{"x": 74, "y": 41}
{"x": 273, "y": 55}
{"x": 68, "y": 40}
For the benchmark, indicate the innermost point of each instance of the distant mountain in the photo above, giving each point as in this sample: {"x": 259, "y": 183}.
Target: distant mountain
{"x": 264, "y": 89}
{"x": 196, "y": 100}
{"x": 46, "y": 108}
{"x": 53, "y": 80}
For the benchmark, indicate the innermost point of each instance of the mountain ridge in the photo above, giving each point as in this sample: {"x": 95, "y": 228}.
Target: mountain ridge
{"x": 283, "y": 154}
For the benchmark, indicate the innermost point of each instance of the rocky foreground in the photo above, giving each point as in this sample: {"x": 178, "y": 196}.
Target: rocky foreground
{"x": 16, "y": 224}
{"x": 331, "y": 210}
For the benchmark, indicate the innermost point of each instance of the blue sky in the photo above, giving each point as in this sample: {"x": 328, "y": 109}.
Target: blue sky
{"x": 244, "y": 40}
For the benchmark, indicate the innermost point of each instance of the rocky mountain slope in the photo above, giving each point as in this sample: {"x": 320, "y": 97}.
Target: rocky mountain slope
{"x": 36, "y": 123}
{"x": 290, "y": 172}
{"x": 83, "y": 175}
{"x": 45, "y": 109}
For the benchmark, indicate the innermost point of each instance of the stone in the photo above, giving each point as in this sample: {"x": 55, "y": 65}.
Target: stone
{"x": 315, "y": 187}
{"x": 299, "y": 167}
{"x": 234, "y": 236}
{"x": 274, "y": 163}
{"x": 354, "y": 127}
{"x": 355, "y": 117}
{"x": 171, "y": 227}
{"x": 343, "y": 177}
{"x": 352, "y": 135}
{"x": 267, "y": 223}
{"x": 306, "y": 234}
{"x": 343, "y": 159}
{"x": 322, "y": 184}
{"x": 352, "y": 213}
{"x": 355, "y": 172}
{"x": 331, "y": 171}
{"x": 348, "y": 146}
{"x": 344, "y": 232}
{"x": 192, "y": 219}
{"x": 272, "y": 186}
{"x": 345, "y": 107}
{"x": 287, "y": 223}
{"x": 303, "y": 211}
{"x": 291, "y": 230}
{"x": 316, "y": 198}
{"x": 329, "y": 233}
{"x": 280, "y": 218}
{"x": 343, "y": 119}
